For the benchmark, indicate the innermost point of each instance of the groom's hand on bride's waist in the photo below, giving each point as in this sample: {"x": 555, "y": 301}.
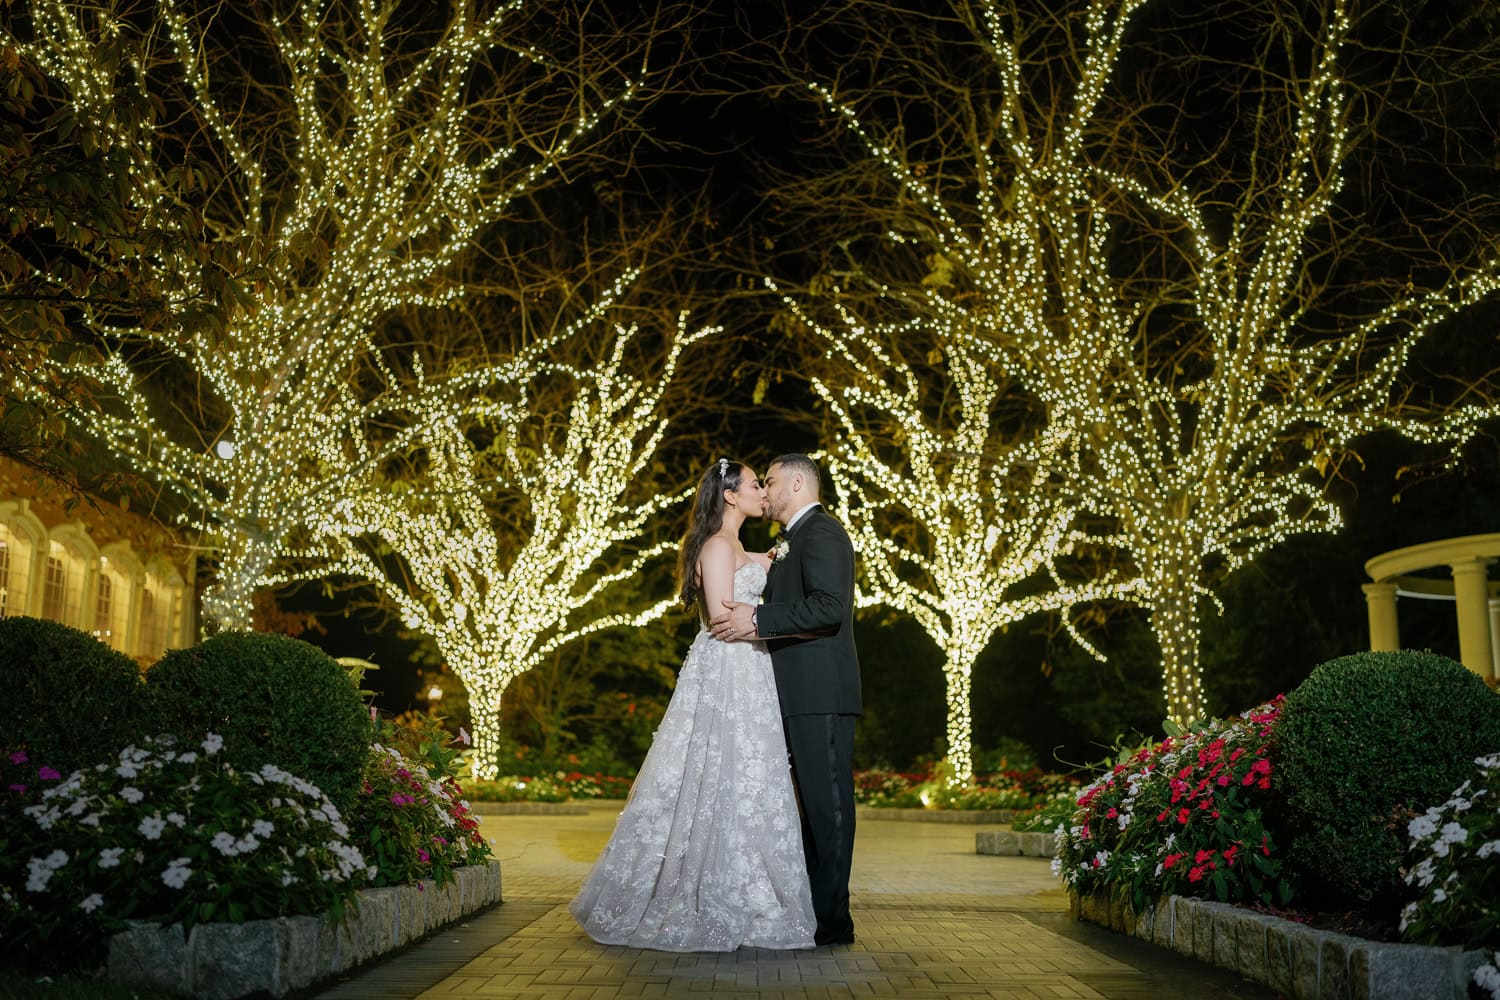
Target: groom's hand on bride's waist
{"x": 735, "y": 623}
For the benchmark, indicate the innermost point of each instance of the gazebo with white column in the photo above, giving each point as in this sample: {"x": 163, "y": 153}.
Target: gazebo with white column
{"x": 1477, "y": 600}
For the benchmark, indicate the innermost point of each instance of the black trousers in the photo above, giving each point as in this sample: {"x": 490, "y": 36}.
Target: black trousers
{"x": 822, "y": 749}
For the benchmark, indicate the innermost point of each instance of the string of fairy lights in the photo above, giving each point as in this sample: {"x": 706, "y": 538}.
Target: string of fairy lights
{"x": 957, "y": 528}
{"x": 1200, "y": 473}
{"x": 387, "y": 167}
{"x": 498, "y": 595}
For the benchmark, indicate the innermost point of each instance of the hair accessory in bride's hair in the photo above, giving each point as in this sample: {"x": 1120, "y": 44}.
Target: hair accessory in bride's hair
{"x": 723, "y": 468}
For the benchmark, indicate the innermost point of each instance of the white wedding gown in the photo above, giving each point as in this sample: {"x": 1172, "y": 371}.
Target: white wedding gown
{"x": 707, "y": 853}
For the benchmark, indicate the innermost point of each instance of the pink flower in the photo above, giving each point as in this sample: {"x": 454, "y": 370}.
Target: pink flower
{"x": 19, "y": 757}
{"x": 18, "y": 789}
{"x": 463, "y": 737}
{"x": 47, "y": 774}
{"x": 423, "y": 855}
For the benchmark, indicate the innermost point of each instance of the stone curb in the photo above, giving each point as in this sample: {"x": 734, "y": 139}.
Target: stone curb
{"x": 527, "y": 809}
{"x": 282, "y": 954}
{"x": 1036, "y": 844}
{"x": 984, "y": 816}
{"x": 1291, "y": 958}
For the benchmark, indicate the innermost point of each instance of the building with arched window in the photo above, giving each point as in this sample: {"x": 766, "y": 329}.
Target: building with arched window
{"x": 97, "y": 567}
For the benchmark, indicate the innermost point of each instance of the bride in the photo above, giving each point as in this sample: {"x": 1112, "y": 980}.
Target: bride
{"x": 707, "y": 853}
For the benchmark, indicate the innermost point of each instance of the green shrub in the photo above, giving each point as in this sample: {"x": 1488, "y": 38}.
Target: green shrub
{"x": 71, "y": 700}
{"x": 1364, "y": 743}
{"x": 274, "y": 700}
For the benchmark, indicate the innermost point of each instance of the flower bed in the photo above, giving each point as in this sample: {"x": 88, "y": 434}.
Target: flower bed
{"x": 561, "y": 786}
{"x": 179, "y": 836}
{"x": 1027, "y": 790}
{"x": 1183, "y": 817}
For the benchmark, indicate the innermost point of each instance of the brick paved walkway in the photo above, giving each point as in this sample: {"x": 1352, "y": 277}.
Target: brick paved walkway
{"x": 933, "y": 920}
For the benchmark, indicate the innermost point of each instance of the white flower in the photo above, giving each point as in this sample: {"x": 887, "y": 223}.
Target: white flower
{"x": 224, "y": 843}
{"x": 110, "y": 856}
{"x": 177, "y": 873}
{"x": 262, "y": 828}
{"x": 37, "y": 875}
{"x": 188, "y": 758}
{"x": 127, "y": 770}
{"x": 247, "y": 843}
{"x": 57, "y": 859}
{"x": 177, "y": 819}
{"x": 1454, "y": 833}
{"x": 1423, "y": 826}
{"x": 151, "y": 827}
{"x": 92, "y": 819}
{"x": 131, "y": 794}
{"x": 1488, "y": 848}
{"x": 1487, "y": 977}
{"x": 92, "y": 903}
{"x": 1438, "y": 895}
{"x": 213, "y": 743}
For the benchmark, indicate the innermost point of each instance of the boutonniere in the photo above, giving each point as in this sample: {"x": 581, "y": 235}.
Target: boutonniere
{"x": 780, "y": 550}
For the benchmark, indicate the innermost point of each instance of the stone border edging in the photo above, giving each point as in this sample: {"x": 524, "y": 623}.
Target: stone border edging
{"x": 938, "y": 815}
{"x": 1291, "y": 958}
{"x": 1033, "y": 844}
{"x": 528, "y": 808}
{"x": 223, "y": 961}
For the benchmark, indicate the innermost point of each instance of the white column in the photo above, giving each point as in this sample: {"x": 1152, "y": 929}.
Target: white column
{"x": 1471, "y": 592}
{"x": 1385, "y": 631}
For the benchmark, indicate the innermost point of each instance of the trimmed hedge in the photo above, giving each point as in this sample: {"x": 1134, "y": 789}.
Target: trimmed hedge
{"x": 1365, "y": 742}
{"x": 274, "y": 700}
{"x": 72, "y": 700}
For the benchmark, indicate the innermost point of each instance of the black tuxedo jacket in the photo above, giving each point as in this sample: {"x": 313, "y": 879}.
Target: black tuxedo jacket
{"x": 812, "y": 590}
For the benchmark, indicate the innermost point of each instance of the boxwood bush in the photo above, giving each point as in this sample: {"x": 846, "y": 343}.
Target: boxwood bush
{"x": 72, "y": 700}
{"x": 273, "y": 699}
{"x": 1363, "y": 744}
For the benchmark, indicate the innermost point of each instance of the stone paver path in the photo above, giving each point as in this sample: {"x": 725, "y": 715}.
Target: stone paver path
{"x": 933, "y": 919}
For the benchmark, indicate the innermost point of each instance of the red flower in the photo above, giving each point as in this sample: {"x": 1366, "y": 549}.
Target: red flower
{"x": 1202, "y": 856}
{"x": 1183, "y": 814}
{"x": 1171, "y": 859}
{"x": 1112, "y": 813}
{"x": 1161, "y": 817}
{"x": 1229, "y": 853}
{"x": 1196, "y": 874}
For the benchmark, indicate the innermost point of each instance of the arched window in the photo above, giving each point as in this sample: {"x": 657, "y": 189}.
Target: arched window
{"x": 162, "y": 600}
{"x": 120, "y": 576}
{"x": 21, "y": 538}
{"x": 68, "y": 576}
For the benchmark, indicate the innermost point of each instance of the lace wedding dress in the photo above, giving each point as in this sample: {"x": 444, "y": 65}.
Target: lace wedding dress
{"x": 707, "y": 854}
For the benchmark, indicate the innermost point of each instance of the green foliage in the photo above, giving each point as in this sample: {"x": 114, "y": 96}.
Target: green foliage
{"x": 1183, "y": 817}
{"x": 274, "y": 700}
{"x": 72, "y": 700}
{"x": 1366, "y": 742}
{"x": 1456, "y": 875}
{"x": 170, "y": 832}
{"x": 410, "y": 818}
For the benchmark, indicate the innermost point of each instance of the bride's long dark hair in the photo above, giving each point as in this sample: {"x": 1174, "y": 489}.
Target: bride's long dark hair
{"x": 707, "y": 518}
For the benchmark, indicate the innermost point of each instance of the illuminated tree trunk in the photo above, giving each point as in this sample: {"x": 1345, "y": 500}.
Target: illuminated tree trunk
{"x": 484, "y": 714}
{"x": 1176, "y": 625}
{"x": 244, "y": 564}
{"x": 958, "y": 670}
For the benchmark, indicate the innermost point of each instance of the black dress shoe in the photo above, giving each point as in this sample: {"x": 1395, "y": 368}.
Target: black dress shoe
{"x": 833, "y": 935}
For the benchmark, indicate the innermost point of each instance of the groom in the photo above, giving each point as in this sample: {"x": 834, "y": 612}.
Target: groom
{"x": 809, "y": 604}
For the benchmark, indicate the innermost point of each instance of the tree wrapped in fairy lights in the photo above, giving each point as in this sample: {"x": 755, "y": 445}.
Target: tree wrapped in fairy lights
{"x": 957, "y": 502}
{"x": 501, "y": 538}
{"x": 338, "y": 158}
{"x": 1198, "y": 301}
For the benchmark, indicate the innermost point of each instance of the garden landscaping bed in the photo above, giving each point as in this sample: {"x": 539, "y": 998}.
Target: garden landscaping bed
{"x": 220, "y": 961}
{"x": 1294, "y": 959}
